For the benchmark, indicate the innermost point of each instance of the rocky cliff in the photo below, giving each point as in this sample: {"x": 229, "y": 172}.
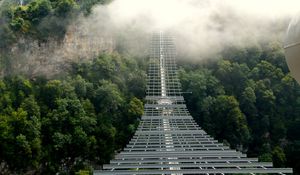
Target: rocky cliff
{"x": 34, "y": 58}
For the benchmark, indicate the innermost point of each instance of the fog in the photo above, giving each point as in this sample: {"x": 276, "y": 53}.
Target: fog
{"x": 202, "y": 28}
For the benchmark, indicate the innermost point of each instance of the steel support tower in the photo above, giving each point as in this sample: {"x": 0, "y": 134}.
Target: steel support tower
{"x": 168, "y": 140}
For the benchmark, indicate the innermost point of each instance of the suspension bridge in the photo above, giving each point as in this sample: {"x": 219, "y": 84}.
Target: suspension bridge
{"x": 168, "y": 140}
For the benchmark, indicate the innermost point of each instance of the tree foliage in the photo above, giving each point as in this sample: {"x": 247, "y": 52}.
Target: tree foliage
{"x": 61, "y": 125}
{"x": 249, "y": 99}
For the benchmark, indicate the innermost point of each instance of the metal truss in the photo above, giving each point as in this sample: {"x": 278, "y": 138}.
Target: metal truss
{"x": 168, "y": 140}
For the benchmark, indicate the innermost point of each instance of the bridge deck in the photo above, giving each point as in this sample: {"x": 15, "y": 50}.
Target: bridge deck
{"x": 168, "y": 140}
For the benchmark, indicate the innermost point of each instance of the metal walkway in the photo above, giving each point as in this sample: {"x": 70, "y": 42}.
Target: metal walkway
{"x": 168, "y": 140}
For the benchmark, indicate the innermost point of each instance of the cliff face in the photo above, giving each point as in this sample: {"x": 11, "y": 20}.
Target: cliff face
{"x": 33, "y": 58}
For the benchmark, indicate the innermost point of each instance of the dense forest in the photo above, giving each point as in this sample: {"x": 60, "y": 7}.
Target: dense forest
{"x": 71, "y": 123}
{"x": 50, "y": 126}
{"x": 249, "y": 100}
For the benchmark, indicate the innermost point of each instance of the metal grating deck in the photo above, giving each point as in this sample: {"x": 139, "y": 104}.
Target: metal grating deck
{"x": 168, "y": 140}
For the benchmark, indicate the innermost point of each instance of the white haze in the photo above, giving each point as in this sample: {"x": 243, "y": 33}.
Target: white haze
{"x": 201, "y": 27}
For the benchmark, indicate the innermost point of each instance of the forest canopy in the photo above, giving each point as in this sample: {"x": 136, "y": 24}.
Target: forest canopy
{"x": 62, "y": 125}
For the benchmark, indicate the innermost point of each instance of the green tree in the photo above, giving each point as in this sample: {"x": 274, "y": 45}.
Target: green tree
{"x": 20, "y": 141}
{"x": 279, "y": 158}
{"x": 230, "y": 122}
{"x": 135, "y": 109}
{"x": 69, "y": 133}
{"x": 108, "y": 98}
{"x": 63, "y": 7}
{"x": 51, "y": 91}
{"x": 201, "y": 84}
{"x": 105, "y": 133}
{"x": 37, "y": 10}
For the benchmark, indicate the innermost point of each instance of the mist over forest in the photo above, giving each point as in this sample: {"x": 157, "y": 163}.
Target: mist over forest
{"x": 73, "y": 78}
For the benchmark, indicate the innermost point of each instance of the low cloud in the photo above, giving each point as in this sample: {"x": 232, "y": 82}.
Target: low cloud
{"x": 201, "y": 27}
